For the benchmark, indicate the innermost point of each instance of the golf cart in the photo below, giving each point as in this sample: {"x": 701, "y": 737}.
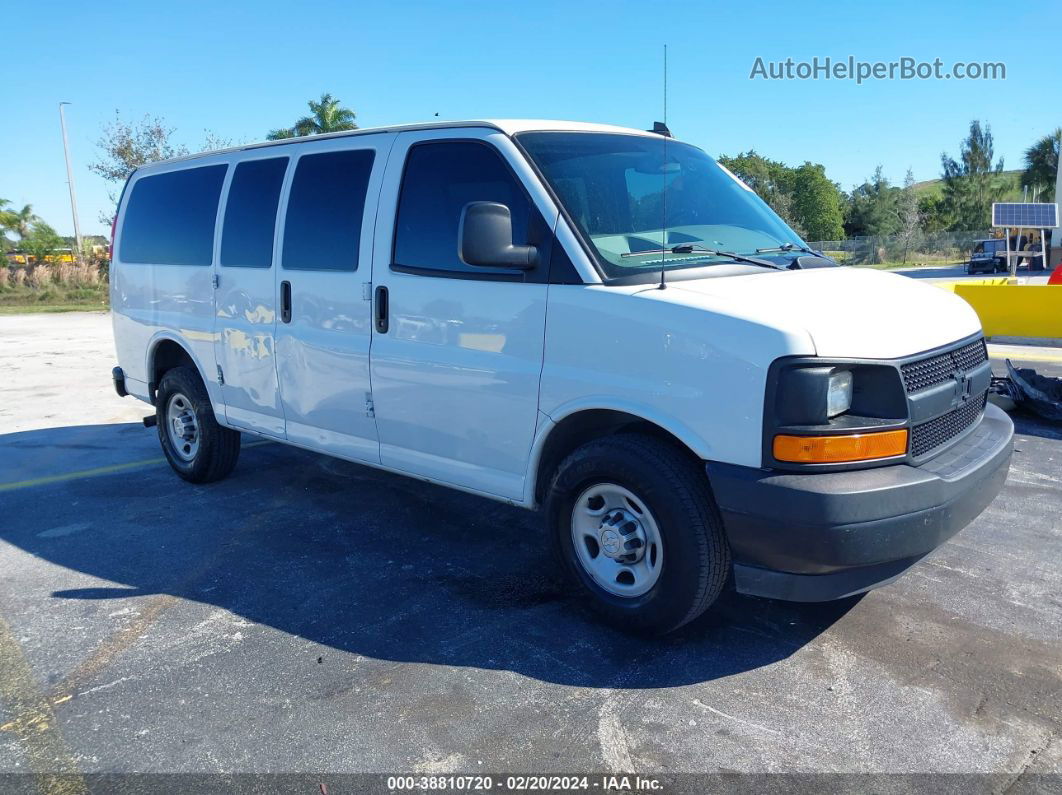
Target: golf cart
{"x": 988, "y": 256}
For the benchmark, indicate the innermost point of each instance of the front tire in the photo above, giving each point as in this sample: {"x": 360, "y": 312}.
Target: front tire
{"x": 636, "y": 528}
{"x": 197, "y": 447}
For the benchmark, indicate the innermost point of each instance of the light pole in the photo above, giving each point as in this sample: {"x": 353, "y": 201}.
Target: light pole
{"x": 70, "y": 183}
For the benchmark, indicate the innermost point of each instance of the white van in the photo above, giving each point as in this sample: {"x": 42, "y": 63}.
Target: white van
{"x": 598, "y": 321}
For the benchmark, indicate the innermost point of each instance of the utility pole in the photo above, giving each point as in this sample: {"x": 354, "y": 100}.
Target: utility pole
{"x": 70, "y": 184}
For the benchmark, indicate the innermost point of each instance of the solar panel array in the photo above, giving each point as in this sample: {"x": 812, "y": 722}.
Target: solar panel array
{"x": 1025, "y": 214}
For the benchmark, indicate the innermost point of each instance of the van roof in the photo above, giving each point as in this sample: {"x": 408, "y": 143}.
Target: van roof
{"x": 507, "y": 126}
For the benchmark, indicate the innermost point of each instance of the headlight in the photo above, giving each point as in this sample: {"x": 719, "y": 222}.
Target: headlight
{"x": 839, "y": 393}
{"x": 820, "y": 413}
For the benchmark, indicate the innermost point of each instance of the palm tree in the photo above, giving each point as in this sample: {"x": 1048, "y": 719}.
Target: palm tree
{"x": 1041, "y": 163}
{"x": 18, "y": 221}
{"x": 326, "y": 116}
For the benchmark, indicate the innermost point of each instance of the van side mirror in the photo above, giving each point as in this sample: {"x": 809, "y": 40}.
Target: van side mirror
{"x": 485, "y": 238}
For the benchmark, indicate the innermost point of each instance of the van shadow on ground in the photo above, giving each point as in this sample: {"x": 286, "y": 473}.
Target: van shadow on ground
{"x": 362, "y": 561}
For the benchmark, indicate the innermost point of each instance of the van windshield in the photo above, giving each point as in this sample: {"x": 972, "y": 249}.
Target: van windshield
{"x": 623, "y": 191}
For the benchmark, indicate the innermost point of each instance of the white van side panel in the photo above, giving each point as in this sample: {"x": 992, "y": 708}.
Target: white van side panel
{"x": 455, "y": 378}
{"x": 151, "y": 303}
{"x": 323, "y": 352}
{"x": 245, "y": 323}
{"x": 699, "y": 376}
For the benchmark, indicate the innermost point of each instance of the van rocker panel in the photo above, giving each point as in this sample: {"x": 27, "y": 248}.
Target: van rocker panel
{"x": 814, "y": 537}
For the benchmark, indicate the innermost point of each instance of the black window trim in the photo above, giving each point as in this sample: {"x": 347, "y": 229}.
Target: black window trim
{"x": 131, "y": 183}
{"x": 117, "y": 229}
{"x": 281, "y": 204}
{"x": 540, "y": 274}
{"x": 285, "y": 202}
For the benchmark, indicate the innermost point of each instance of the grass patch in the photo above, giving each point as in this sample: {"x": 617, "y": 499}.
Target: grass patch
{"x": 55, "y": 298}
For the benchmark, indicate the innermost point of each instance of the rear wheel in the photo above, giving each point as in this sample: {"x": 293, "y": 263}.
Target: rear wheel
{"x": 197, "y": 447}
{"x": 636, "y": 528}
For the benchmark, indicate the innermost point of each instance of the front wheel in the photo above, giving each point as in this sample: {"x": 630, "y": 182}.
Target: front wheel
{"x": 197, "y": 447}
{"x": 636, "y": 528}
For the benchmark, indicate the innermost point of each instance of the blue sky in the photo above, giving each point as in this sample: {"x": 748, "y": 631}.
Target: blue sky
{"x": 240, "y": 69}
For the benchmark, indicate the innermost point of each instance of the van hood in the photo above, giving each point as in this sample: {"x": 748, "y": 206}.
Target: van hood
{"x": 848, "y": 312}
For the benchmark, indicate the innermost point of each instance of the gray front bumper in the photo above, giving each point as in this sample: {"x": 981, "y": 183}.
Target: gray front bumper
{"x": 823, "y": 536}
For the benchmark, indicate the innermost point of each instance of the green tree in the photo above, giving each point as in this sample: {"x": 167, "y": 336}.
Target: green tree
{"x": 18, "y": 221}
{"x": 771, "y": 180}
{"x": 41, "y": 241}
{"x": 972, "y": 182}
{"x": 935, "y": 217}
{"x": 326, "y": 115}
{"x": 873, "y": 208}
{"x": 1041, "y": 165}
{"x": 5, "y": 244}
{"x": 817, "y": 203}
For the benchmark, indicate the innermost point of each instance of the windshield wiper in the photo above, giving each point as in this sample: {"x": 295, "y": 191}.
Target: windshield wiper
{"x": 691, "y": 248}
{"x": 788, "y": 247}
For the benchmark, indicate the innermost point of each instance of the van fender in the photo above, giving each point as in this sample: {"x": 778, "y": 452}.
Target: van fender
{"x": 699, "y": 446}
{"x": 208, "y": 374}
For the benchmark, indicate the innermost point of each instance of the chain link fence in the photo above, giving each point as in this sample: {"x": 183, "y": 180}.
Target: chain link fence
{"x": 921, "y": 248}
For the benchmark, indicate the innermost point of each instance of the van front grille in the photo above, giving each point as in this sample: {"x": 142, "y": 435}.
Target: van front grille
{"x": 940, "y": 430}
{"x": 942, "y": 367}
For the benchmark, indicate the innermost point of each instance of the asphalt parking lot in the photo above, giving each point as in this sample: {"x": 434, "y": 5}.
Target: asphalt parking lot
{"x": 311, "y": 615}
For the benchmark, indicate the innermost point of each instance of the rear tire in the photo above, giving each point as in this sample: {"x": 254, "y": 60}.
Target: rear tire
{"x": 197, "y": 447}
{"x": 663, "y": 507}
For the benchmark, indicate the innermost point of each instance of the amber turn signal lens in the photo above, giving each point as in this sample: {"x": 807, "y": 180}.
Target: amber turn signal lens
{"x": 836, "y": 449}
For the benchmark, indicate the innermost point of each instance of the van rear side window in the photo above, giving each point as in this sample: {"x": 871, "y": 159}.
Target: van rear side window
{"x": 251, "y": 213}
{"x": 170, "y": 218}
{"x": 322, "y": 230}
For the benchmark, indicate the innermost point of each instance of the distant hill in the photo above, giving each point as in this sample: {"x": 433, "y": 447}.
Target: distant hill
{"x": 933, "y": 187}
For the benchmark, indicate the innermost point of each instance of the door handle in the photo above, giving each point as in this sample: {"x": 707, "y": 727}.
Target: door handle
{"x": 379, "y": 310}
{"x": 285, "y": 302}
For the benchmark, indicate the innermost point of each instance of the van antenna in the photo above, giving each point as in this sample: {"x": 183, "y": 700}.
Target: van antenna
{"x": 663, "y": 193}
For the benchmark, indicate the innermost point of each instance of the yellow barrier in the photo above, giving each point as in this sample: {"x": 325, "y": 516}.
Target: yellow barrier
{"x": 1013, "y": 310}
{"x": 950, "y": 286}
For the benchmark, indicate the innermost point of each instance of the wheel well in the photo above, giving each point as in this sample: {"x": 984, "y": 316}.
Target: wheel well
{"x": 577, "y": 429}
{"x": 167, "y": 355}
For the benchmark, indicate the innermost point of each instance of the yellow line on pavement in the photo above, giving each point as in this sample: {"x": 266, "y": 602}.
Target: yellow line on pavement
{"x": 34, "y": 722}
{"x": 148, "y": 614}
{"x": 84, "y": 473}
{"x": 112, "y": 647}
{"x": 96, "y": 471}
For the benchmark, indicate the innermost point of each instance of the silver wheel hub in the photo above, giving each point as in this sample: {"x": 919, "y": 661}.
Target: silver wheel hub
{"x": 622, "y": 537}
{"x": 616, "y": 540}
{"x": 182, "y": 426}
